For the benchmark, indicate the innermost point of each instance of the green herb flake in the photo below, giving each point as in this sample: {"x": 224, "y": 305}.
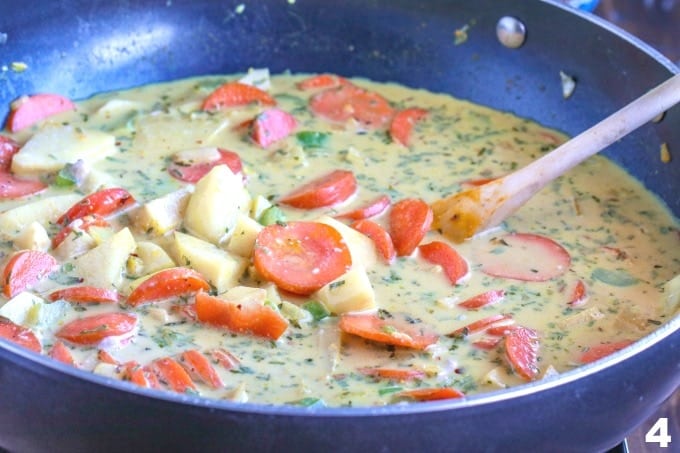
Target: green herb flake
{"x": 243, "y": 370}
{"x": 393, "y": 277}
{"x": 317, "y": 310}
{"x": 272, "y": 215}
{"x": 65, "y": 177}
{"x": 165, "y": 337}
{"x": 389, "y": 390}
{"x": 336, "y": 284}
{"x": 270, "y": 304}
{"x": 61, "y": 276}
{"x": 312, "y": 139}
{"x": 308, "y": 402}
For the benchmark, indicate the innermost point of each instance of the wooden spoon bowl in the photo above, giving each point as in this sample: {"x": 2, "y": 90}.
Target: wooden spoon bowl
{"x": 461, "y": 216}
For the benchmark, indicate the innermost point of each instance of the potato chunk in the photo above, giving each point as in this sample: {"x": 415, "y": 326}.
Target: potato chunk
{"x": 258, "y": 205}
{"x": 33, "y": 237}
{"x": 221, "y": 269}
{"x": 197, "y": 155}
{"x": 162, "y": 214}
{"x": 53, "y": 147}
{"x": 103, "y": 266}
{"x": 257, "y": 77}
{"x": 22, "y": 308}
{"x": 213, "y": 208}
{"x": 30, "y": 310}
{"x": 153, "y": 257}
{"x": 45, "y": 211}
{"x": 350, "y": 292}
{"x": 361, "y": 247}
{"x": 242, "y": 240}
{"x": 115, "y": 108}
{"x": 76, "y": 243}
{"x": 245, "y": 294}
{"x": 672, "y": 294}
{"x": 153, "y": 141}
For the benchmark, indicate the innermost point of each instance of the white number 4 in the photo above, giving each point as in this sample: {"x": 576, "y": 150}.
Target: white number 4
{"x": 658, "y": 433}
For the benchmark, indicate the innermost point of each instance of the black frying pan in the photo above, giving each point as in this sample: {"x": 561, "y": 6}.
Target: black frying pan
{"x": 78, "y": 47}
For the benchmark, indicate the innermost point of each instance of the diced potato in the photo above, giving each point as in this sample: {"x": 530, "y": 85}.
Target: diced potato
{"x": 196, "y": 155}
{"x": 153, "y": 257}
{"x": 50, "y": 316}
{"x": 108, "y": 369}
{"x": 53, "y": 147}
{"x": 118, "y": 107}
{"x": 289, "y": 155}
{"x": 159, "y": 314}
{"x": 448, "y": 301}
{"x": 104, "y": 265}
{"x": 550, "y": 371}
{"x": 76, "y": 243}
{"x": 213, "y": 208}
{"x": 260, "y": 296}
{"x": 188, "y": 131}
{"x": 96, "y": 180}
{"x": 34, "y": 237}
{"x": 294, "y": 314}
{"x": 672, "y": 294}
{"x": 220, "y": 268}
{"x": 350, "y": 292}
{"x": 243, "y": 238}
{"x": 79, "y": 241}
{"x": 45, "y": 211}
{"x": 189, "y": 107}
{"x": 167, "y": 243}
{"x": 21, "y": 309}
{"x": 162, "y": 214}
{"x": 498, "y": 377}
{"x": 258, "y": 206}
{"x": 361, "y": 247}
{"x": 238, "y": 394}
{"x": 134, "y": 268}
{"x": 30, "y": 310}
{"x": 246, "y": 294}
{"x": 258, "y": 78}
{"x": 273, "y": 295}
{"x": 100, "y": 233}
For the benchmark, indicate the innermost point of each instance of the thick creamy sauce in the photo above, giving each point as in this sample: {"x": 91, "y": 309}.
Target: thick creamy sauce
{"x": 623, "y": 243}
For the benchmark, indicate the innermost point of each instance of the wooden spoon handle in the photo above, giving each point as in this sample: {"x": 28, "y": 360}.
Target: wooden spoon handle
{"x": 513, "y": 190}
{"x": 462, "y": 215}
{"x": 536, "y": 175}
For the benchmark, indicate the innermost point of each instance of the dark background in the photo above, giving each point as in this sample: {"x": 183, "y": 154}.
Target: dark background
{"x": 657, "y": 22}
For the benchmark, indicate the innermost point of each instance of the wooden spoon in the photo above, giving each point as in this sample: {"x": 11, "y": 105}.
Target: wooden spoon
{"x": 462, "y": 215}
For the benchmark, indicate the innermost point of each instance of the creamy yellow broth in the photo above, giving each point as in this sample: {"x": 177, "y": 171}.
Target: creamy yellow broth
{"x": 624, "y": 244}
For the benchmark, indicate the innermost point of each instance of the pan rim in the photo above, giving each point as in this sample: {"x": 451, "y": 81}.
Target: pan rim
{"x": 668, "y": 329}
{"x": 45, "y": 363}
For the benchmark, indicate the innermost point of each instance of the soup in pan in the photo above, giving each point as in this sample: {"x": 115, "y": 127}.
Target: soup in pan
{"x": 269, "y": 239}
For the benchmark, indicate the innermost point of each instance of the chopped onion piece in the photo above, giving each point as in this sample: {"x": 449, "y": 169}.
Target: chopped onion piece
{"x": 568, "y": 85}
